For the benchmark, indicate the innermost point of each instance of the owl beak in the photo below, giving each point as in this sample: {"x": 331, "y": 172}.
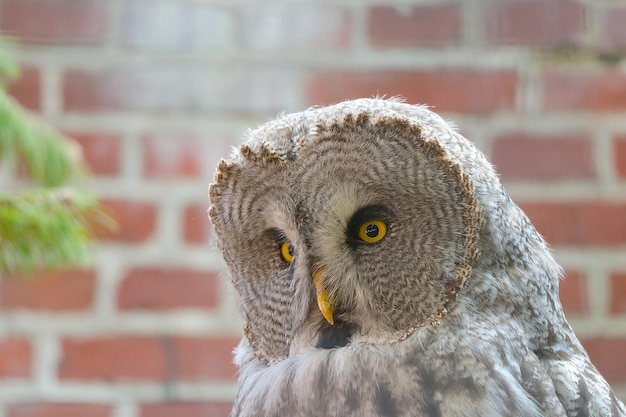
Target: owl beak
{"x": 323, "y": 299}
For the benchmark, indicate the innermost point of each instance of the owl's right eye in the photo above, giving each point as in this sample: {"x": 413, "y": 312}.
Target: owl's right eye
{"x": 286, "y": 251}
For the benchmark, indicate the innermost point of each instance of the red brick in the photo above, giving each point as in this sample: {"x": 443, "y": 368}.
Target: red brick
{"x": 550, "y": 22}
{"x": 164, "y": 289}
{"x": 600, "y": 90}
{"x": 617, "y": 303}
{"x": 543, "y": 157}
{"x": 15, "y": 358}
{"x": 619, "y": 153}
{"x": 92, "y": 91}
{"x": 574, "y": 294}
{"x": 59, "y": 410}
{"x": 612, "y": 28}
{"x": 206, "y": 358}
{"x": 196, "y": 225}
{"x": 290, "y": 26}
{"x": 136, "y": 220}
{"x": 186, "y": 409}
{"x": 102, "y": 152}
{"x": 591, "y": 223}
{"x": 178, "y": 88}
{"x": 463, "y": 91}
{"x": 173, "y": 156}
{"x": 137, "y": 358}
{"x": 417, "y": 26}
{"x": 71, "y": 290}
{"x": 26, "y": 89}
{"x": 54, "y": 21}
{"x": 113, "y": 358}
{"x": 607, "y": 355}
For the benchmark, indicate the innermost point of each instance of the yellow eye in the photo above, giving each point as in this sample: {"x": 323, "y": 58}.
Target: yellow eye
{"x": 286, "y": 251}
{"x": 372, "y": 231}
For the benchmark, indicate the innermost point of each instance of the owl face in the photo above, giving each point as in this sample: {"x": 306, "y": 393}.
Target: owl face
{"x": 354, "y": 230}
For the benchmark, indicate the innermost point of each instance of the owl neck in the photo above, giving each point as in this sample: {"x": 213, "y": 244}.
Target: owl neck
{"x": 517, "y": 277}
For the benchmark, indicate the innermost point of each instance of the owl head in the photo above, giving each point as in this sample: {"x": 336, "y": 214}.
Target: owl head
{"x": 362, "y": 221}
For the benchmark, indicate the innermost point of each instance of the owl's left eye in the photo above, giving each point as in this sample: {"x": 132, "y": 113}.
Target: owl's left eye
{"x": 369, "y": 224}
{"x": 372, "y": 231}
{"x": 286, "y": 251}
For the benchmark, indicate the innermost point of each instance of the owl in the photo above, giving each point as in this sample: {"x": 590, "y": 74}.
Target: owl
{"x": 382, "y": 270}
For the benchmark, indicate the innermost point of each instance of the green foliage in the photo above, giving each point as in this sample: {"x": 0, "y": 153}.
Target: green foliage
{"x": 48, "y": 157}
{"x": 48, "y": 227}
{"x": 45, "y": 229}
{"x": 8, "y": 68}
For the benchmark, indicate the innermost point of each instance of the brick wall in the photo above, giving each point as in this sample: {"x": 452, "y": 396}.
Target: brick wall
{"x": 157, "y": 90}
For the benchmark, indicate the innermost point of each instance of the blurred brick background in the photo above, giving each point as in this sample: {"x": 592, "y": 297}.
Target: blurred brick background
{"x": 157, "y": 90}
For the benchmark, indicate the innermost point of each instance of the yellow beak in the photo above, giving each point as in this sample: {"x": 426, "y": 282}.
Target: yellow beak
{"x": 323, "y": 300}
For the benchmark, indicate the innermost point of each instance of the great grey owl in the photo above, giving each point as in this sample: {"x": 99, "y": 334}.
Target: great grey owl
{"x": 383, "y": 271}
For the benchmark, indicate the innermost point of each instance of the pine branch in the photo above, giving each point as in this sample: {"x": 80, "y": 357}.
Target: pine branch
{"x": 8, "y": 68}
{"x": 49, "y": 158}
{"x": 47, "y": 229}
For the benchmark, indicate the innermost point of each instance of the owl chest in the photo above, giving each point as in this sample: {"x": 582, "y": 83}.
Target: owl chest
{"x": 375, "y": 382}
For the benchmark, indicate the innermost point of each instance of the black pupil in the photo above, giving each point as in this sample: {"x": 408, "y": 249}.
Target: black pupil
{"x": 371, "y": 230}
{"x": 290, "y": 250}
